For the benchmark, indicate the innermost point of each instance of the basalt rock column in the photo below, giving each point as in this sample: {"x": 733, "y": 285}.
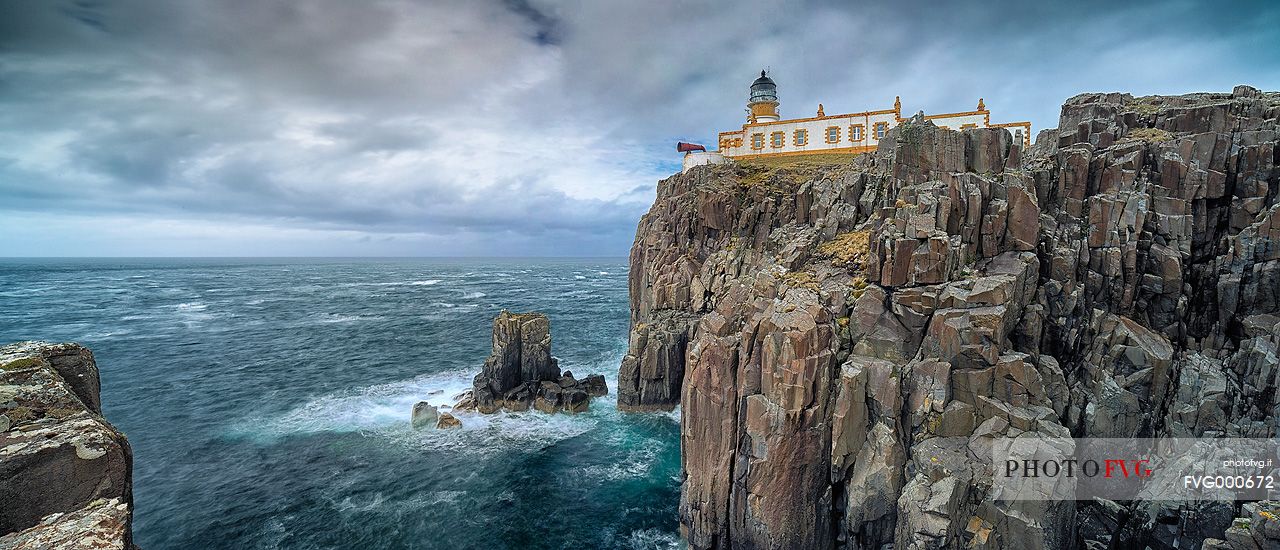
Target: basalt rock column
{"x": 1121, "y": 278}
{"x": 521, "y": 360}
{"x": 521, "y": 373}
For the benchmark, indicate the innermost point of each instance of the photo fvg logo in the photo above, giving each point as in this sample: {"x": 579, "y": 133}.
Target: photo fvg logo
{"x": 1173, "y": 469}
{"x": 1072, "y": 467}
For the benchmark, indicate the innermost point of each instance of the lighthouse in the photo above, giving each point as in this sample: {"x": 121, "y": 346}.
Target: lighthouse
{"x": 763, "y": 103}
{"x": 767, "y": 134}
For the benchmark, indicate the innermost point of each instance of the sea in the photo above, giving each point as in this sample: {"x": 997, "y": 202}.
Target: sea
{"x": 267, "y": 401}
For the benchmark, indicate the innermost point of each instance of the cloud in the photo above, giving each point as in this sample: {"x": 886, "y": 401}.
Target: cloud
{"x": 499, "y": 127}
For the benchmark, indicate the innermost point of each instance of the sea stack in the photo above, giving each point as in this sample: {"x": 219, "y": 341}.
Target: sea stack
{"x": 66, "y": 475}
{"x": 521, "y": 374}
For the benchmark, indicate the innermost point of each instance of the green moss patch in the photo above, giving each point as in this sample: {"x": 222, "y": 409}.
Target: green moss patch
{"x": 19, "y": 414}
{"x": 25, "y": 362}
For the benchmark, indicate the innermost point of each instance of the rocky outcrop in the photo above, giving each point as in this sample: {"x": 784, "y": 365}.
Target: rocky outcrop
{"x": 424, "y": 415}
{"x": 521, "y": 373}
{"x": 1257, "y": 528}
{"x": 837, "y": 333}
{"x": 447, "y": 421}
{"x": 65, "y": 473}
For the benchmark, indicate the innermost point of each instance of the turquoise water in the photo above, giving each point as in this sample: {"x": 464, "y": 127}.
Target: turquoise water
{"x": 268, "y": 401}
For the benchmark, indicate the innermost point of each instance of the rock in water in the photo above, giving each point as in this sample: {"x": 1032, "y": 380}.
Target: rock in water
{"x": 594, "y": 385}
{"x": 826, "y": 328}
{"x": 448, "y": 421}
{"x": 425, "y": 415}
{"x": 549, "y": 397}
{"x": 464, "y": 401}
{"x": 66, "y": 475}
{"x": 575, "y": 400}
{"x": 521, "y": 354}
{"x": 521, "y": 373}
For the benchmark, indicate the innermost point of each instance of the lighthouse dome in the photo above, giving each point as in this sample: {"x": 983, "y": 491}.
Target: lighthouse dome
{"x": 764, "y": 89}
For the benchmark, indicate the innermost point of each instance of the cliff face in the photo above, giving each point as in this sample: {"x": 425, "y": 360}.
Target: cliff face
{"x": 66, "y": 477}
{"x": 829, "y": 328}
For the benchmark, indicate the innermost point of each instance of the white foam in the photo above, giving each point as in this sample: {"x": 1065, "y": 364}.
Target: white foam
{"x": 103, "y": 335}
{"x": 427, "y": 282}
{"x": 383, "y": 410}
{"x": 579, "y": 277}
{"x": 474, "y": 295}
{"x": 340, "y": 318}
{"x": 637, "y": 465}
{"x": 361, "y": 409}
{"x": 653, "y": 539}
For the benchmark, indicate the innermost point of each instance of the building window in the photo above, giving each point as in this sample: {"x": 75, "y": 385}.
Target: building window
{"x": 777, "y": 139}
{"x": 757, "y": 141}
{"x": 801, "y": 137}
{"x": 855, "y": 132}
{"x": 881, "y": 128}
{"x": 833, "y": 134}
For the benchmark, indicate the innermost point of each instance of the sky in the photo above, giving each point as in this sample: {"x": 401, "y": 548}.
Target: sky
{"x": 502, "y": 127}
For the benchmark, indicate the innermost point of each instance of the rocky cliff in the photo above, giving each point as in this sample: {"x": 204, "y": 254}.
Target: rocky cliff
{"x": 831, "y": 327}
{"x": 66, "y": 477}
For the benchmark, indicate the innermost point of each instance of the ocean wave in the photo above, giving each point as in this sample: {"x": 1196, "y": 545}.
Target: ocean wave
{"x": 341, "y": 318}
{"x": 652, "y": 539}
{"x": 637, "y": 464}
{"x": 384, "y": 411}
{"x": 104, "y": 335}
{"x": 361, "y": 409}
{"x": 192, "y": 306}
{"x": 427, "y": 282}
{"x": 474, "y": 295}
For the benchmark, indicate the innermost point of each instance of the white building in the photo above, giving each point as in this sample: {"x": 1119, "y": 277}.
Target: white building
{"x": 766, "y": 134}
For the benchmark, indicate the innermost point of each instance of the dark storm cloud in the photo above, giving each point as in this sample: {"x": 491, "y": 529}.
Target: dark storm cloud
{"x": 504, "y": 126}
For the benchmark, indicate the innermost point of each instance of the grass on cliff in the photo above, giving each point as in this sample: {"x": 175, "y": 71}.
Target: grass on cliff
{"x": 848, "y": 250}
{"x": 1146, "y": 105}
{"x": 22, "y": 363}
{"x": 795, "y": 168}
{"x": 1150, "y": 135}
{"x": 801, "y": 279}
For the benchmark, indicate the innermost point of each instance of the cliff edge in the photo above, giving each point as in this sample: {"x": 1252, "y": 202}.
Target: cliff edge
{"x": 830, "y": 325}
{"x": 66, "y": 475}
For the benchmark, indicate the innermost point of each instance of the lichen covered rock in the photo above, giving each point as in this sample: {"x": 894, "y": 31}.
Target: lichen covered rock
{"x": 65, "y": 472}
